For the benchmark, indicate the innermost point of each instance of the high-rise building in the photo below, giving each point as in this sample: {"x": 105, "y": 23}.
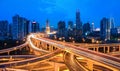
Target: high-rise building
{"x": 115, "y": 32}
{"x": 26, "y": 27}
{"x": 3, "y": 30}
{"x": 35, "y": 26}
{"x": 70, "y": 25}
{"x": 61, "y": 29}
{"x": 70, "y": 29}
{"x": 78, "y": 24}
{"x": 10, "y": 31}
{"x": 47, "y": 27}
{"x": 105, "y": 29}
{"x": 20, "y": 27}
{"x": 92, "y": 27}
{"x": 112, "y": 22}
{"x": 15, "y": 32}
{"x": 86, "y": 28}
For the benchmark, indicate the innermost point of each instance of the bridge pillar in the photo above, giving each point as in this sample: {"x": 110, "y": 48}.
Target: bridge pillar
{"x": 45, "y": 46}
{"x": 119, "y": 48}
{"x": 90, "y": 65}
{"x": 37, "y": 44}
{"x": 31, "y": 50}
{"x": 97, "y": 49}
{"x": 56, "y": 67}
{"x": 108, "y": 49}
{"x": 51, "y": 48}
{"x": 42, "y": 44}
{"x": 104, "y": 49}
{"x": 10, "y": 58}
{"x": 93, "y": 48}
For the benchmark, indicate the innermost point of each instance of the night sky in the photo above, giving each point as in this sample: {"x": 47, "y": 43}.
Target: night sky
{"x": 55, "y": 10}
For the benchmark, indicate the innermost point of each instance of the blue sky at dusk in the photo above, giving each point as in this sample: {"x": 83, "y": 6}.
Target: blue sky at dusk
{"x": 56, "y": 10}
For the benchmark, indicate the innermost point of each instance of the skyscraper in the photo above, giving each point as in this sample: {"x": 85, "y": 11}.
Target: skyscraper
{"x": 70, "y": 25}
{"x": 3, "y": 30}
{"x": 92, "y": 27}
{"x": 10, "y": 31}
{"x": 86, "y": 28}
{"x": 61, "y": 28}
{"x": 78, "y": 24}
{"x": 47, "y": 27}
{"x": 35, "y": 26}
{"x": 105, "y": 29}
{"x": 26, "y": 27}
{"x": 15, "y": 27}
{"x": 70, "y": 29}
{"x": 112, "y": 22}
{"x": 20, "y": 27}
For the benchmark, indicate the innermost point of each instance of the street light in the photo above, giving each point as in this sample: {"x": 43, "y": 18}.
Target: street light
{"x": 55, "y": 37}
{"x": 24, "y": 39}
{"x": 17, "y": 41}
{"x": 5, "y": 44}
{"x": 73, "y": 41}
{"x": 60, "y": 39}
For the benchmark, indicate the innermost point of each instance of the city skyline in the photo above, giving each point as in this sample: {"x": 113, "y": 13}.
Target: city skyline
{"x": 56, "y": 10}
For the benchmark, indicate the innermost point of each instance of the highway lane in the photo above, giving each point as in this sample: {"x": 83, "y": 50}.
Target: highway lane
{"x": 14, "y": 48}
{"x": 33, "y": 46}
{"x": 72, "y": 64}
{"x": 99, "y": 57}
{"x": 18, "y": 56}
{"x": 31, "y": 60}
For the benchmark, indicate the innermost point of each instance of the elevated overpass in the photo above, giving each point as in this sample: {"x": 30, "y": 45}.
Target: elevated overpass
{"x": 97, "y": 58}
{"x": 49, "y": 48}
{"x": 14, "y": 48}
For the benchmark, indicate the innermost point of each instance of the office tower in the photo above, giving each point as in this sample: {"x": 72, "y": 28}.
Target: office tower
{"x": 20, "y": 27}
{"x": 86, "y": 29}
{"x": 105, "y": 29}
{"x": 70, "y": 29}
{"x": 15, "y": 20}
{"x": 70, "y": 25}
{"x": 26, "y": 27}
{"x": 47, "y": 27}
{"x": 78, "y": 24}
{"x": 35, "y": 27}
{"x": 112, "y": 22}
{"x": 92, "y": 27}
{"x": 115, "y": 32}
{"x": 3, "y": 30}
{"x": 61, "y": 29}
{"x": 10, "y": 31}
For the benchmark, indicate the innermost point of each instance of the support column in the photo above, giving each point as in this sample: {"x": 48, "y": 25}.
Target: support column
{"x": 51, "y": 48}
{"x": 90, "y": 65}
{"x": 97, "y": 49}
{"x": 93, "y": 48}
{"x": 10, "y": 58}
{"x": 31, "y": 50}
{"x": 108, "y": 49}
{"x": 119, "y": 48}
{"x": 56, "y": 67}
{"x": 37, "y": 44}
{"x": 45, "y": 46}
{"x": 8, "y": 53}
{"x": 104, "y": 49}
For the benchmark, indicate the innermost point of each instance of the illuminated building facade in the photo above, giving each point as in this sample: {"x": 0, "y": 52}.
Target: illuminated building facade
{"x": 105, "y": 29}
{"x": 3, "y": 30}
{"x": 78, "y": 24}
{"x": 35, "y": 27}
{"x": 20, "y": 27}
{"x": 47, "y": 27}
